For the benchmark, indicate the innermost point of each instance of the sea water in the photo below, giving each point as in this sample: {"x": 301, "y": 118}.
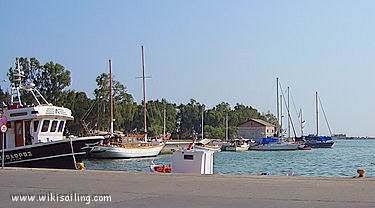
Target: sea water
{"x": 342, "y": 160}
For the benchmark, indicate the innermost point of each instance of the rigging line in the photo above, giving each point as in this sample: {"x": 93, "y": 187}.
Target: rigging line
{"x": 287, "y": 108}
{"x": 325, "y": 117}
{"x": 297, "y": 113}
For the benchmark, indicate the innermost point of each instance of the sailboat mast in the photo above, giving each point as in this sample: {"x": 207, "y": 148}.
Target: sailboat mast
{"x": 317, "y": 113}
{"x": 301, "y": 123}
{"x": 202, "y": 124}
{"x": 164, "y": 118}
{"x": 144, "y": 94}
{"x": 110, "y": 98}
{"x": 288, "y": 115}
{"x": 281, "y": 115}
{"x": 277, "y": 107}
{"x": 226, "y": 128}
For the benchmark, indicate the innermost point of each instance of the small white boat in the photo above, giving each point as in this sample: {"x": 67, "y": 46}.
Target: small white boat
{"x": 238, "y": 145}
{"x": 273, "y": 144}
{"x": 207, "y": 145}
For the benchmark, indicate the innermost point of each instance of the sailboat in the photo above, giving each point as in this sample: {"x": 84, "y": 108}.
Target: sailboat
{"x": 131, "y": 146}
{"x": 318, "y": 141}
{"x": 206, "y": 144}
{"x": 34, "y": 137}
{"x": 277, "y": 143}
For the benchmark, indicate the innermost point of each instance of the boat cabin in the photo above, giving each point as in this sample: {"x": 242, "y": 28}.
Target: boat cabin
{"x": 34, "y": 124}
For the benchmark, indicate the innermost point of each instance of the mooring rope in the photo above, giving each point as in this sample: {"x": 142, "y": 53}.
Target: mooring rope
{"x": 74, "y": 157}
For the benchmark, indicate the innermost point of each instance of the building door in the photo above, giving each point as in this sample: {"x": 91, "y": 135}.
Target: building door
{"x": 19, "y": 133}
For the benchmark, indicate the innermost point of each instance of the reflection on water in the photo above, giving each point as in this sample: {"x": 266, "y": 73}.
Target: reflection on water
{"x": 342, "y": 160}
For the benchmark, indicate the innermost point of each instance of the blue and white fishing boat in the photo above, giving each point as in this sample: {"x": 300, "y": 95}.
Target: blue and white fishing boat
{"x": 34, "y": 136}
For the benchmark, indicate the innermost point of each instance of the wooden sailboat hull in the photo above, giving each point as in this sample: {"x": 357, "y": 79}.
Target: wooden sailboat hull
{"x": 125, "y": 152}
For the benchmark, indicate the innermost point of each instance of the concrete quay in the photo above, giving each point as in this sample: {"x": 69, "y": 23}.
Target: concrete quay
{"x": 138, "y": 190}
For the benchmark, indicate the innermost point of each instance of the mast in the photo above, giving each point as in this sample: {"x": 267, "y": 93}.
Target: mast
{"x": 164, "y": 118}
{"x": 226, "y": 128}
{"x": 317, "y": 113}
{"x": 277, "y": 106}
{"x": 110, "y": 98}
{"x": 144, "y": 95}
{"x": 288, "y": 115}
{"x": 202, "y": 124}
{"x": 301, "y": 122}
{"x": 281, "y": 115}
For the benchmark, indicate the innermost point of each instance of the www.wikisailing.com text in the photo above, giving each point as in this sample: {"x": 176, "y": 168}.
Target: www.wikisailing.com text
{"x": 60, "y": 197}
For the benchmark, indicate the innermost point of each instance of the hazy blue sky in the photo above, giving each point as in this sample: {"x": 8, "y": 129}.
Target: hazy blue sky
{"x": 210, "y": 50}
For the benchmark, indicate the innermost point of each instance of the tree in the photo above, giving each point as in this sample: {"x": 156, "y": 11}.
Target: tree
{"x": 189, "y": 119}
{"x": 54, "y": 78}
{"x": 123, "y": 104}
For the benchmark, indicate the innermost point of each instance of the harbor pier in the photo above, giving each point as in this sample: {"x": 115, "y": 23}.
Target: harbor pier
{"x": 136, "y": 190}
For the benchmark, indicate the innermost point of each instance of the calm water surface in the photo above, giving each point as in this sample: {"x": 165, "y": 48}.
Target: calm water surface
{"x": 342, "y": 160}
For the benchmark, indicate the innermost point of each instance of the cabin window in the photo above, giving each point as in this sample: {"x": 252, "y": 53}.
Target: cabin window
{"x": 36, "y": 125}
{"x": 188, "y": 157}
{"x": 45, "y": 125}
{"x": 61, "y": 126}
{"x": 53, "y": 126}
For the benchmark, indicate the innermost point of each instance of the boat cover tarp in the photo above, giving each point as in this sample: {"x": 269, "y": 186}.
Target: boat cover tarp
{"x": 319, "y": 138}
{"x": 205, "y": 141}
{"x": 268, "y": 140}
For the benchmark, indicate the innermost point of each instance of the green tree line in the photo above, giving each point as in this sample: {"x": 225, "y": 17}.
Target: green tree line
{"x": 183, "y": 121}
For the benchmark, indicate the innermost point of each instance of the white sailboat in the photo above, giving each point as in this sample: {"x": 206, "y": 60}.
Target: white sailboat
{"x": 275, "y": 143}
{"x": 206, "y": 144}
{"x": 132, "y": 146}
{"x": 237, "y": 145}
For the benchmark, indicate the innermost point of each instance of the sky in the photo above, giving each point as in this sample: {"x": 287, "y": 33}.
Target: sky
{"x": 212, "y": 51}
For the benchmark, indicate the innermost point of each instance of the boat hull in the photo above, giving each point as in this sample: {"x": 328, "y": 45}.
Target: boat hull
{"x": 241, "y": 148}
{"x": 275, "y": 147}
{"x": 205, "y": 148}
{"x": 123, "y": 152}
{"x": 327, "y": 144}
{"x": 56, "y": 154}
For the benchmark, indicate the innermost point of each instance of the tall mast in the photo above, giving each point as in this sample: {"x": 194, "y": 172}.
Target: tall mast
{"x": 281, "y": 115}
{"x": 164, "y": 118}
{"x": 144, "y": 95}
{"x": 277, "y": 107}
{"x": 110, "y": 98}
{"x": 288, "y": 115}
{"x": 301, "y": 122}
{"x": 317, "y": 113}
{"x": 202, "y": 124}
{"x": 226, "y": 128}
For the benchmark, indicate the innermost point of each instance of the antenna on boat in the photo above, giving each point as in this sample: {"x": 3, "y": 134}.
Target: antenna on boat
{"x": 17, "y": 85}
{"x": 17, "y": 76}
{"x": 110, "y": 98}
